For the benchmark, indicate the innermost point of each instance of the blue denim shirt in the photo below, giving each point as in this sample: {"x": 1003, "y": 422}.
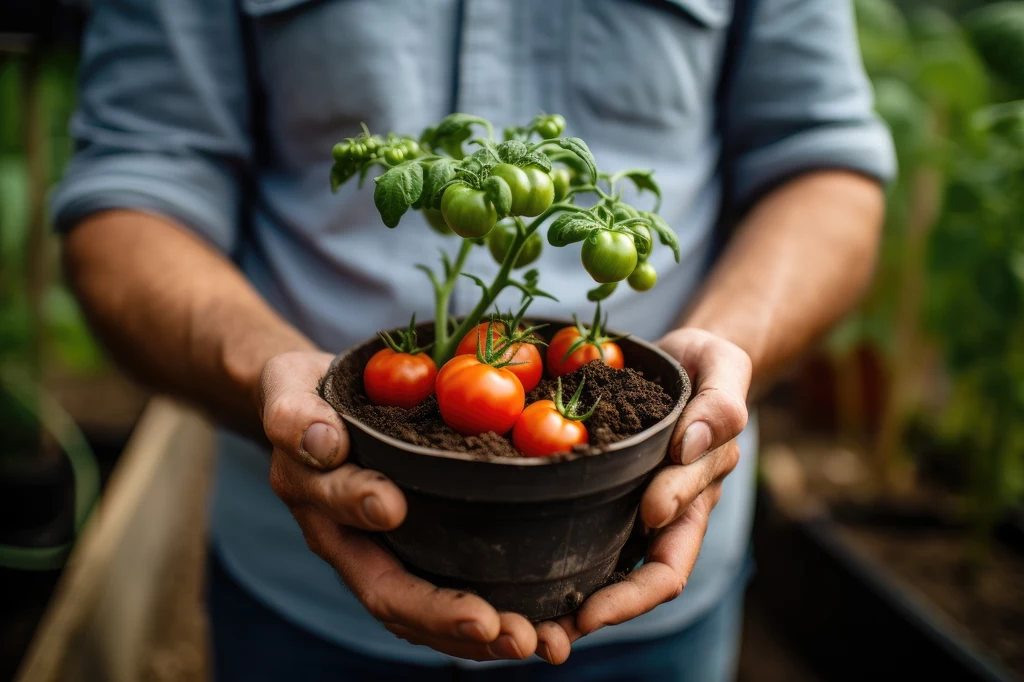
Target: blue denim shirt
{"x": 221, "y": 114}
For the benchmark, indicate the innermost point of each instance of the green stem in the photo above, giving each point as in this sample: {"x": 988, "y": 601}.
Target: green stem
{"x": 501, "y": 281}
{"x": 442, "y": 298}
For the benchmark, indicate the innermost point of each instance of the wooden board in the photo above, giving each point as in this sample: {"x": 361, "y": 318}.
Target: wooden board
{"x": 103, "y": 610}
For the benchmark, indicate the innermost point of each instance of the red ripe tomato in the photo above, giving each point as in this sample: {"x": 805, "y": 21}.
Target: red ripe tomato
{"x": 399, "y": 379}
{"x": 558, "y": 364}
{"x": 475, "y": 398}
{"x": 541, "y": 430}
{"x": 528, "y": 366}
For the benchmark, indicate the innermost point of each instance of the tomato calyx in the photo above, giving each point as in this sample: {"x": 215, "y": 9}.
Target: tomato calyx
{"x": 406, "y": 342}
{"x": 570, "y": 410}
{"x": 506, "y": 332}
{"x": 592, "y": 336}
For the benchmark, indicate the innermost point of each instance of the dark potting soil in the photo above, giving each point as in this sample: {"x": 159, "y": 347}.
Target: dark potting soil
{"x": 629, "y": 404}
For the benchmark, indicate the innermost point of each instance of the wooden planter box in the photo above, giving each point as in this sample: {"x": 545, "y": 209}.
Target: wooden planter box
{"x": 134, "y": 566}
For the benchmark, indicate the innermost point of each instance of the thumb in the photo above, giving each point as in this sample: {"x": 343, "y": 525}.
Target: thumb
{"x": 295, "y": 418}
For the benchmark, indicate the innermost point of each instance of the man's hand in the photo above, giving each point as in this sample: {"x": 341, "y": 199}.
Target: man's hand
{"x": 679, "y": 500}
{"x": 335, "y": 501}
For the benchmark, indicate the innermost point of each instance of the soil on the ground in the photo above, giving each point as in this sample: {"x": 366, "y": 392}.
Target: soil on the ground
{"x": 988, "y": 604}
{"x": 629, "y": 403}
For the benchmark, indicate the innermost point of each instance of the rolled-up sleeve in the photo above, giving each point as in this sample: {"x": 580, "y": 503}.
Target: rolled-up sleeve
{"x": 801, "y": 101}
{"x": 162, "y": 117}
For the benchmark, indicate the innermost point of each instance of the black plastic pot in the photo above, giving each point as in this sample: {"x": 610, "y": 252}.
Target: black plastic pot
{"x": 533, "y": 536}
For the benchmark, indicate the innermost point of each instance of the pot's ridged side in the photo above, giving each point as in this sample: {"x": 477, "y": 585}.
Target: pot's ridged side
{"x": 534, "y": 536}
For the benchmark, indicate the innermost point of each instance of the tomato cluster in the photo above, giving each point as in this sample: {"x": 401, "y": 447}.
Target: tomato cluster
{"x": 483, "y": 388}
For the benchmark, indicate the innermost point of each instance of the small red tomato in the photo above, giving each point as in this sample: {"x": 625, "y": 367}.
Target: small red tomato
{"x": 399, "y": 379}
{"x": 527, "y": 364}
{"x": 542, "y": 431}
{"x": 559, "y": 363}
{"x": 475, "y": 397}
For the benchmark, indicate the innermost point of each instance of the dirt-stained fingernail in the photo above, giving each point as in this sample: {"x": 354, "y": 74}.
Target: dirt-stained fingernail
{"x": 373, "y": 511}
{"x": 320, "y": 443}
{"x": 696, "y": 441}
{"x": 506, "y": 647}
{"x": 470, "y": 629}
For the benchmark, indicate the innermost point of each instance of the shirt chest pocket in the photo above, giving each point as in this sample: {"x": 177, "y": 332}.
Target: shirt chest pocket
{"x": 326, "y": 66}
{"x": 653, "y": 64}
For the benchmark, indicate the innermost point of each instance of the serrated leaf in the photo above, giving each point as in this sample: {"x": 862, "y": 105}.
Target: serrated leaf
{"x": 538, "y": 159}
{"x": 437, "y": 175}
{"x": 570, "y": 160}
{"x": 512, "y": 151}
{"x": 482, "y": 284}
{"x": 644, "y": 181}
{"x": 569, "y": 228}
{"x": 665, "y": 234}
{"x": 582, "y": 151}
{"x": 397, "y": 189}
{"x": 499, "y": 194}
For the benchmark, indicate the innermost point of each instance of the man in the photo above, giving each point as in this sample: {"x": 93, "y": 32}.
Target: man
{"x": 209, "y": 254}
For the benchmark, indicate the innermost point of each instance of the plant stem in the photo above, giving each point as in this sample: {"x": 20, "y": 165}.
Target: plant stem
{"x": 442, "y": 298}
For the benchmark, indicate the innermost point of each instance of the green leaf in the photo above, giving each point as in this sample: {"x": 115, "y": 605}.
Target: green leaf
{"x": 570, "y": 160}
{"x": 513, "y": 151}
{"x": 644, "y": 181}
{"x": 397, "y": 189}
{"x": 602, "y": 292}
{"x": 438, "y": 174}
{"x": 499, "y": 194}
{"x": 580, "y": 149}
{"x": 538, "y": 159}
{"x": 569, "y": 228}
{"x": 480, "y": 283}
{"x": 665, "y": 234}
{"x": 340, "y": 174}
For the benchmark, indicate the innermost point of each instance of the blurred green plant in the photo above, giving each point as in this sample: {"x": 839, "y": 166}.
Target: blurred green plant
{"x": 947, "y": 310}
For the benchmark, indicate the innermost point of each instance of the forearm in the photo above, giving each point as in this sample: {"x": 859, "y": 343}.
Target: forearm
{"x": 800, "y": 260}
{"x": 176, "y": 313}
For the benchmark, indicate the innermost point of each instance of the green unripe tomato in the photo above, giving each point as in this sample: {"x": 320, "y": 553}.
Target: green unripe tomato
{"x": 436, "y": 221}
{"x": 643, "y": 250}
{"x": 624, "y": 212}
{"x": 394, "y": 155}
{"x": 643, "y": 277}
{"x": 609, "y": 257}
{"x": 532, "y": 189}
{"x": 410, "y": 148}
{"x": 500, "y": 240}
{"x": 467, "y": 211}
{"x": 551, "y": 126}
{"x": 561, "y": 178}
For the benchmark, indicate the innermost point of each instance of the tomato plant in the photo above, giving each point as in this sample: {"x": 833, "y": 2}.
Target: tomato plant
{"x": 401, "y": 374}
{"x": 573, "y": 347}
{"x": 479, "y": 393}
{"x": 471, "y": 182}
{"x": 548, "y": 427}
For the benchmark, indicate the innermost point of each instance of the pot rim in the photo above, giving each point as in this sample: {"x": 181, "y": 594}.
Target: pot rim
{"x": 669, "y": 420}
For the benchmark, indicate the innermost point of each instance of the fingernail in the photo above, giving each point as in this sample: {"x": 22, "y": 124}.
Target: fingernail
{"x": 696, "y": 441}
{"x": 471, "y": 629}
{"x": 543, "y": 651}
{"x": 505, "y": 647}
{"x": 373, "y": 511}
{"x": 320, "y": 443}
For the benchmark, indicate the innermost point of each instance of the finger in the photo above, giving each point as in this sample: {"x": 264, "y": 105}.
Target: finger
{"x": 553, "y": 643}
{"x": 717, "y": 412}
{"x": 295, "y": 418}
{"x": 349, "y": 495}
{"x": 660, "y": 579}
{"x": 518, "y": 638}
{"x": 676, "y": 487}
{"x": 474, "y": 651}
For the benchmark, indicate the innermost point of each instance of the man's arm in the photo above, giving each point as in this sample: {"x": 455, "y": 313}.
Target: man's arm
{"x": 176, "y": 313}
{"x": 800, "y": 261}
